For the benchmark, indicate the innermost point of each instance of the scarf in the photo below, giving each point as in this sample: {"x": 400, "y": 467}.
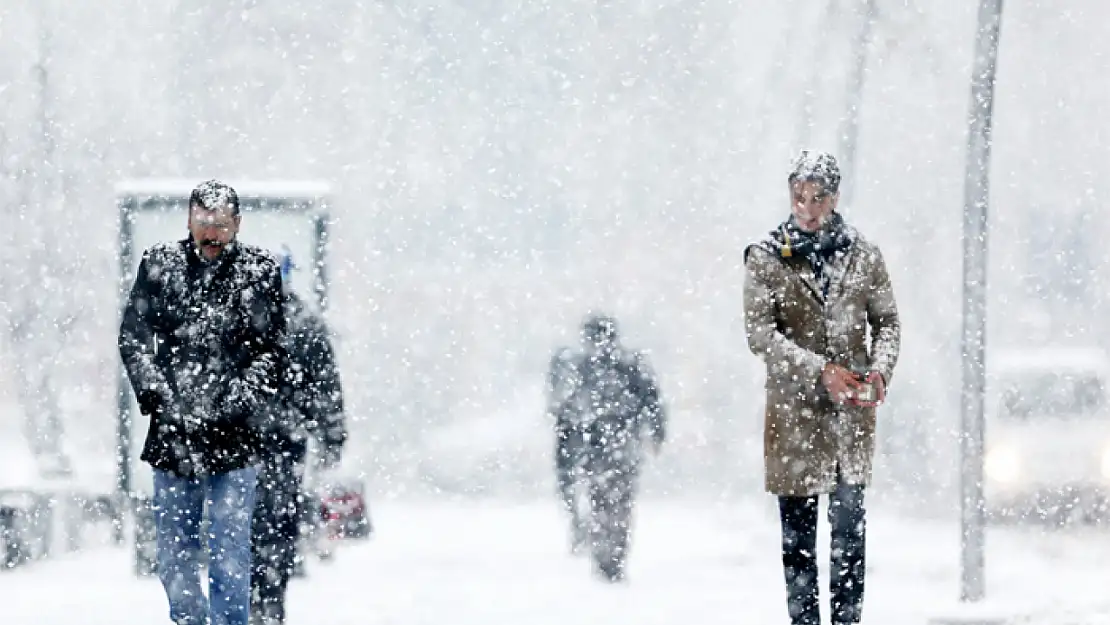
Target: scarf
{"x": 790, "y": 241}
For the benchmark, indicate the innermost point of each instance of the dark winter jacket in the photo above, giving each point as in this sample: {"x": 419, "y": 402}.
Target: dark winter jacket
{"x": 606, "y": 402}
{"x": 310, "y": 397}
{"x": 562, "y": 383}
{"x": 309, "y": 401}
{"x": 202, "y": 343}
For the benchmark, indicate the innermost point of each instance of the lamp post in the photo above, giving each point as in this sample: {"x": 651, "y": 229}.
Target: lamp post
{"x": 976, "y": 199}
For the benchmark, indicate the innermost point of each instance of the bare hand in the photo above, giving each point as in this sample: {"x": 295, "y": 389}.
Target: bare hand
{"x": 841, "y": 383}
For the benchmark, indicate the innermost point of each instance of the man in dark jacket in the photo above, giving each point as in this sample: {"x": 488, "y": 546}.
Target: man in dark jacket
{"x": 562, "y": 386}
{"x": 614, "y": 403}
{"x": 309, "y": 402}
{"x": 202, "y": 342}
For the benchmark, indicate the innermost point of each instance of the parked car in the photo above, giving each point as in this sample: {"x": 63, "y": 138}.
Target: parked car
{"x": 1047, "y": 442}
{"x": 26, "y": 524}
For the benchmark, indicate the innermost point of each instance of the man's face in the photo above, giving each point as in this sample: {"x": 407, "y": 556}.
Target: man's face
{"x": 598, "y": 340}
{"x": 212, "y": 230}
{"x": 811, "y": 204}
{"x": 597, "y": 345}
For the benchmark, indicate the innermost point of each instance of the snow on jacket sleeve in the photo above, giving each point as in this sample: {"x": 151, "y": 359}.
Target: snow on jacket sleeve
{"x": 325, "y": 410}
{"x": 651, "y": 398}
{"x": 882, "y": 316}
{"x": 257, "y": 383}
{"x": 136, "y": 343}
{"x": 563, "y": 379}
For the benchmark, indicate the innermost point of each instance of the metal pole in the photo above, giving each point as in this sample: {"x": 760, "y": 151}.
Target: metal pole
{"x": 125, "y": 495}
{"x": 976, "y": 196}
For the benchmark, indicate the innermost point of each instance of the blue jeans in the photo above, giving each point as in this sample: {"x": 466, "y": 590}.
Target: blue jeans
{"x": 179, "y": 504}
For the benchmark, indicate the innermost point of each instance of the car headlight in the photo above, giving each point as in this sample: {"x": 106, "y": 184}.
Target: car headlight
{"x": 1003, "y": 464}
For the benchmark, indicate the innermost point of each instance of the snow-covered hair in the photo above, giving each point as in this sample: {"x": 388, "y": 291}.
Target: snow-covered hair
{"x": 599, "y": 328}
{"x": 213, "y": 195}
{"x": 815, "y": 166}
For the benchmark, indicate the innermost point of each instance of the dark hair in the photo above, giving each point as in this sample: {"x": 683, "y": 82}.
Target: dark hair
{"x": 819, "y": 167}
{"x": 599, "y": 328}
{"x": 213, "y": 195}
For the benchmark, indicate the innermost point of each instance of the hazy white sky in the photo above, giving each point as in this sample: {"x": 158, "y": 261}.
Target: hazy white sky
{"x": 504, "y": 165}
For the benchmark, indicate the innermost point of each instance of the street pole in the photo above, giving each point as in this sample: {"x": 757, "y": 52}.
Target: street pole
{"x": 976, "y": 197}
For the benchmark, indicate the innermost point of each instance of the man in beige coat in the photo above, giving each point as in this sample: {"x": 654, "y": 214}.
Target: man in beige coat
{"x": 820, "y": 311}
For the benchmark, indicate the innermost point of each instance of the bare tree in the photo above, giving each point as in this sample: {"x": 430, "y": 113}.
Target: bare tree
{"x": 40, "y": 313}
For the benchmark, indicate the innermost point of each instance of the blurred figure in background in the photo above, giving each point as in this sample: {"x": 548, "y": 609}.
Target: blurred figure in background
{"x": 609, "y": 403}
{"x": 562, "y": 392}
{"x": 309, "y": 402}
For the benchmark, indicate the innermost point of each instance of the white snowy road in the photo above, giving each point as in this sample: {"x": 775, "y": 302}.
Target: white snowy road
{"x": 504, "y": 564}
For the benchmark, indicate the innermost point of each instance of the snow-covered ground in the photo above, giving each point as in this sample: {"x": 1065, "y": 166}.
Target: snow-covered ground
{"x": 435, "y": 563}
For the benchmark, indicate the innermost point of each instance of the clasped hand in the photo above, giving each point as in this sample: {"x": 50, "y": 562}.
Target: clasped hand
{"x": 844, "y": 387}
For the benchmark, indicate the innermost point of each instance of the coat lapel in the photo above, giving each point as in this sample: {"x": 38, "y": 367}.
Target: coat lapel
{"x": 805, "y": 274}
{"x": 837, "y": 270}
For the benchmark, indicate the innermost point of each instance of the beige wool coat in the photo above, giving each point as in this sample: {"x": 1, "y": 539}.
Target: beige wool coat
{"x": 808, "y": 439}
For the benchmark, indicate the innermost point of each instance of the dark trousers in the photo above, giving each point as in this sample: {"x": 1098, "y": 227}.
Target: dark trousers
{"x": 272, "y": 568}
{"x": 612, "y": 496}
{"x": 274, "y": 534}
{"x": 799, "y": 556}
{"x": 569, "y": 477}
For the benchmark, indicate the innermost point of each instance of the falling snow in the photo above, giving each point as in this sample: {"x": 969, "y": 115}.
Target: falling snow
{"x": 485, "y": 173}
